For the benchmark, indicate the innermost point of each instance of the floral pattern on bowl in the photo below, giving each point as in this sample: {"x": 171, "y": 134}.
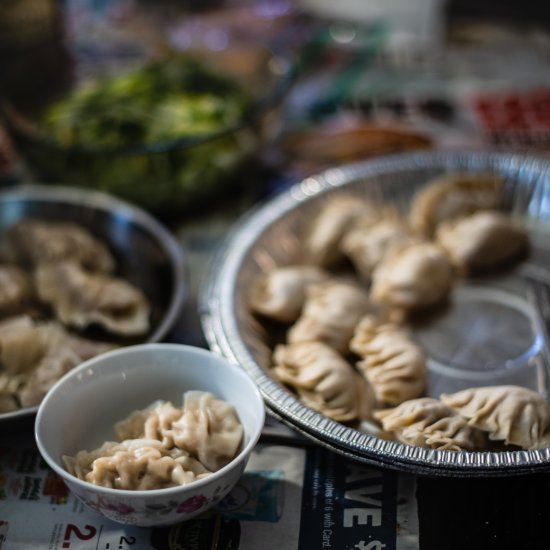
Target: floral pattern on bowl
{"x": 134, "y": 509}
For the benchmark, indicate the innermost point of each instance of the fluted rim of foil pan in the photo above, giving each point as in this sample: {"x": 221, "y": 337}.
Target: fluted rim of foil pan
{"x": 221, "y": 328}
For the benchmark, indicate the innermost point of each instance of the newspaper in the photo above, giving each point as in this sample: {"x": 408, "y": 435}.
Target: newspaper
{"x": 292, "y": 496}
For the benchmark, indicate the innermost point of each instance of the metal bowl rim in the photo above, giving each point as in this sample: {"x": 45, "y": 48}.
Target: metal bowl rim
{"x": 107, "y": 203}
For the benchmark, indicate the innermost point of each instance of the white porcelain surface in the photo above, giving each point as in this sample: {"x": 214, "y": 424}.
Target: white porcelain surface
{"x": 81, "y": 409}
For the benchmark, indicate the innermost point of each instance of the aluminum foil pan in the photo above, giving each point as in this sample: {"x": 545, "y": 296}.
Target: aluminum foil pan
{"x": 486, "y": 337}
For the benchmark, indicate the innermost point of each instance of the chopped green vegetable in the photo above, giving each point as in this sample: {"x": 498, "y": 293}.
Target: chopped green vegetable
{"x": 162, "y": 101}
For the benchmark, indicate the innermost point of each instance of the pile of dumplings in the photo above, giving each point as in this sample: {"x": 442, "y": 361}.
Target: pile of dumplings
{"x": 57, "y": 281}
{"x": 347, "y": 350}
{"x": 164, "y": 446}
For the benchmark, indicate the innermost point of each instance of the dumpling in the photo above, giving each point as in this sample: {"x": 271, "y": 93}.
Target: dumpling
{"x": 80, "y": 299}
{"x": 323, "y": 380}
{"x": 209, "y": 429}
{"x": 393, "y": 364}
{"x": 59, "y": 353}
{"x": 15, "y": 289}
{"x": 415, "y": 276}
{"x": 513, "y": 414}
{"x": 453, "y": 196}
{"x": 46, "y": 373}
{"x": 39, "y": 353}
{"x": 150, "y": 423}
{"x": 281, "y": 293}
{"x": 427, "y": 422}
{"x": 483, "y": 240}
{"x": 135, "y": 465}
{"x": 164, "y": 446}
{"x": 10, "y": 387}
{"x": 22, "y": 345}
{"x": 35, "y": 241}
{"x": 335, "y": 217}
{"x": 330, "y": 313}
{"x": 366, "y": 245}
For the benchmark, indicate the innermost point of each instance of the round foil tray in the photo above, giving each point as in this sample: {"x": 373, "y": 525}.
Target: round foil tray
{"x": 486, "y": 337}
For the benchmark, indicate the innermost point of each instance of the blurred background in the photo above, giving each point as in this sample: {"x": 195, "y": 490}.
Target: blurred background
{"x": 373, "y": 76}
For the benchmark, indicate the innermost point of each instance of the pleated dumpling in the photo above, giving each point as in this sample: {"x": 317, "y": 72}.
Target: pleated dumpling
{"x": 280, "y": 294}
{"x": 150, "y": 423}
{"x": 513, "y": 414}
{"x": 453, "y": 196}
{"x": 22, "y": 345}
{"x": 35, "y": 241}
{"x": 330, "y": 313}
{"x": 427, "y": 422}
{"x": 324, "y": 380}
{"x": 135, "y": 465}
{"x": 15, "y": 289}
{"x": 412, "y": 277}
{"x": 484, "y": 240}
{"x": 10, "y": 387}
{"x": 80, "y": 299}
{"x": 47, "y": 372}
{"x": 209, "y": 430}
{"x": 34, "y": 355}
{"x": 322, "y": 237}
{"x": 366, "y": 244}
{"x": 393, "y": 364}
{"x": 60, "y": 352}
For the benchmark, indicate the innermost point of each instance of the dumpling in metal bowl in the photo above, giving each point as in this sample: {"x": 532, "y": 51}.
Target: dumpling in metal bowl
{"x": 34, "y": 355}
{"x": 280, "y": 294}
{"x": 331, "y": 311}
{"x": 324, "y": 380}
{"x": 81, "y": 299}
{"x": 427, "y": 422}
{"x": 15, "y": 290}
{"x": 367, "y": 244}
{"x": 452, "y": 196}
{"x": 34, "y": 241}
{"x": 513, "y": 414}
{"x": 21, "y": 345}
{"x": 322, "y": 237}
{"x": 393, "y": 364}
{"x": 484, "y": 240}
{"x": 412, "y": 277}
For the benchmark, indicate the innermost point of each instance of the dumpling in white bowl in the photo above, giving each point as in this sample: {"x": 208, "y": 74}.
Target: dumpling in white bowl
{"x": 135, "y": 465}
{"x": 209, "y": 429}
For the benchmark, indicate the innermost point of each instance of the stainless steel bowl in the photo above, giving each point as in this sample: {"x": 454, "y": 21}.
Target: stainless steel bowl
{"x": 268, "y": 236}
{"x": 147, "y": 254}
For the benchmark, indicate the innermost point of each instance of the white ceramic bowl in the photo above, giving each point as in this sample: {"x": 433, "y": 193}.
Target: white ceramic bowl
{"x": 80, "y": 410}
